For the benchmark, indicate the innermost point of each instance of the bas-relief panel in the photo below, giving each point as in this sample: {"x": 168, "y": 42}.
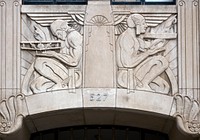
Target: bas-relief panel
{"x": 145, "y": 49}
{"x": 51, "y": 52}
{"x": 146, "y": 52}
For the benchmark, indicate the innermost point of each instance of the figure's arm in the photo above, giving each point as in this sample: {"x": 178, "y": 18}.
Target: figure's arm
{"x": 137, "y": 59}
{"x": 74, "y": 40}
{"x": 75, "y": 50}
{"x": 133, "y": 60}
{"x": 157, "y": 44}
{"x": 130, "y": 56}
{"x": 129, "y": 52}
{"x": 60, "y": 56}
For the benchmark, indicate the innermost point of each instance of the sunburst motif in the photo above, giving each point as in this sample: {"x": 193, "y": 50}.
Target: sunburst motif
{"x": 99, "y": 20}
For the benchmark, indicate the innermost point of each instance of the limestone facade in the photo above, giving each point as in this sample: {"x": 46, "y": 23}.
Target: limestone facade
{"x": 67, "y": 65}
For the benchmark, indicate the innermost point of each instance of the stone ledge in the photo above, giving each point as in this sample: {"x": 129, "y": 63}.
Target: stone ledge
{"x": 99, "y": 98}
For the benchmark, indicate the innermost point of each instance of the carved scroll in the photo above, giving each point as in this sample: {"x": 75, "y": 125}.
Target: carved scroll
{"x": 52, "y": 59}
{"x": 12, "y": 112}
{"x": 146, "y": 50}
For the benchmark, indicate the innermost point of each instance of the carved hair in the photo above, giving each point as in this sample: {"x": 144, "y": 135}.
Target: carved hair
{"x": 59, "y": 24}
{"x": 134, "y": 20}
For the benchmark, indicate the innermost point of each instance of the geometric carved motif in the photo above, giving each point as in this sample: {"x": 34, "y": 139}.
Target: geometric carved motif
{"x": 98, "y": 20}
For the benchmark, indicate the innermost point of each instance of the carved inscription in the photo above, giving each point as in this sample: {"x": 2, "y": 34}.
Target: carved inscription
{"x": 102, "y": 97}
{"x": 98, "y": 97}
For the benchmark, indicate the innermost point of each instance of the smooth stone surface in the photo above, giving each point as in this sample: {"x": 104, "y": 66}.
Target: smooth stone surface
{"x": 146, "y": 101}
{"x": 57, "y": 100}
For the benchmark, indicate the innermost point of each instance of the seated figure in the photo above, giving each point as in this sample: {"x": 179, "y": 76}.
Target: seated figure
{"x": 141, "y": 60}
{"x": 57, "y": 69}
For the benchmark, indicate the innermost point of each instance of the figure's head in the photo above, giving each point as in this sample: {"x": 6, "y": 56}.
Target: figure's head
{"x": 59, "y": 28}
{"x": 137, "y": 21}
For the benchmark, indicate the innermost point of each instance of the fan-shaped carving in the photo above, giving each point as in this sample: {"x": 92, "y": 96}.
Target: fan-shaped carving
{"x": 99, "y": 20}
{"x": 12, "y": 111}
{"x": 187, "y": 114}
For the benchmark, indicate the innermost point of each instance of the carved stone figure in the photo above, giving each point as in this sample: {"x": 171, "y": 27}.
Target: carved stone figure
{"x": 56, "y": 70}
{"x": 140, "y": 61}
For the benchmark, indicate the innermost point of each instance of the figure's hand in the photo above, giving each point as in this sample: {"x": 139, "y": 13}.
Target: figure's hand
{"x": 158, "y": 43}
{"x": 47, "y": 54}
{"x": 155, "y": 50}
{"x": 50, "y": 53}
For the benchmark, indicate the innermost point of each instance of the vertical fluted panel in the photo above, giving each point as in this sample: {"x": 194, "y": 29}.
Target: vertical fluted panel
{"x": 195, "y": 45}
{"x": 3, "y": 6}
{"x": 16, "y": 47}
{"x": 188, "y": 46}
{"x": 9, "y": 47}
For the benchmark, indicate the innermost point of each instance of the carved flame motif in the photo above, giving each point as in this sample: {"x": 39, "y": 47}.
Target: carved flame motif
{"x": 12, "y": 111}
{"x": 188, "y": 114}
